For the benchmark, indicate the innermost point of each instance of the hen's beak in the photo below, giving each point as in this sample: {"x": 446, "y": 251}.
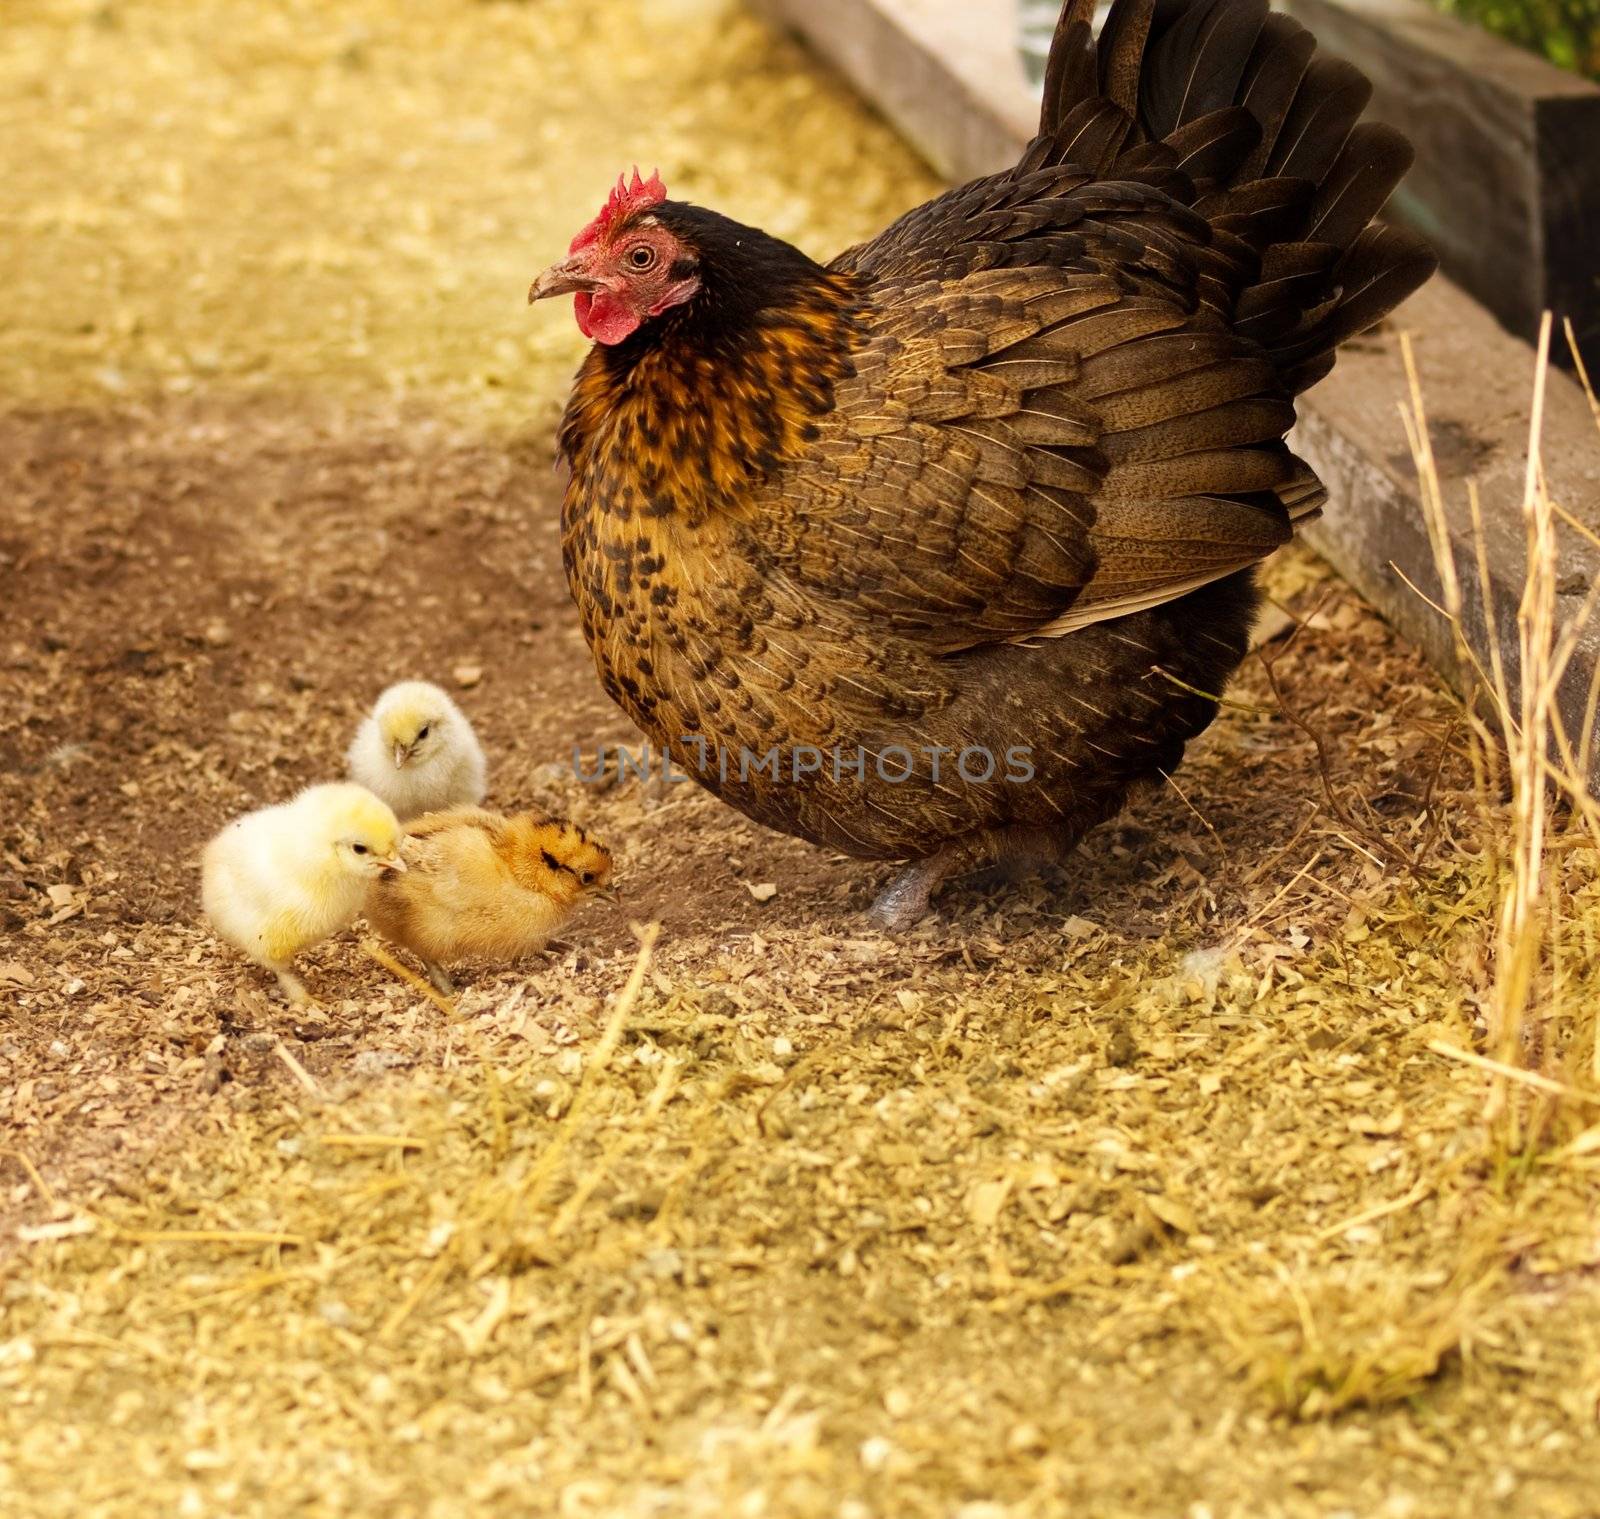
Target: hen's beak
{"x": 564, "y": 278}
{"x": 401, "y": 754}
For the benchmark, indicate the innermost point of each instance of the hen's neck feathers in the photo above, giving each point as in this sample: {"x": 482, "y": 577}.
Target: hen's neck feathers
{"x": 710, "y": 397}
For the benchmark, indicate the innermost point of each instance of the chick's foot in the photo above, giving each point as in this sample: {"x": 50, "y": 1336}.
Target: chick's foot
{"x": 294, "y": 989}
{"x": 440, "y": 978}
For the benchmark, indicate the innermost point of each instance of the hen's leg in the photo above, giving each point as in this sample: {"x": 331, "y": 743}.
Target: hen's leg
{"x": 906, "y": 897}
{"x": 1014, "y": 854}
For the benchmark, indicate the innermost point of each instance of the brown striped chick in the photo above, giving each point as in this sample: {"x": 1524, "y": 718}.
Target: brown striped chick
{"x": 479, "y": 885}
{"x": 277, "y": 881}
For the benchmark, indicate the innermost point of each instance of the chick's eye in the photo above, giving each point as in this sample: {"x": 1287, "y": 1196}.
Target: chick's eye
{"x": 422, "y": 732}
{"x": 359, "y": 848}
{"x": 587, "y": 878}
{"x": 641, "y": 256}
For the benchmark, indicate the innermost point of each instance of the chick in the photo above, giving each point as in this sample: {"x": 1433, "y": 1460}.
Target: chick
{"x": 277, "y": 881}
{"x": 418, "y": 752}
{"x": 480, "y": 885}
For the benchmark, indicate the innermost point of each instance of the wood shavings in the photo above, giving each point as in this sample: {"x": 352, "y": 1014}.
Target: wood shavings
{"x": 1077, "y": 1191}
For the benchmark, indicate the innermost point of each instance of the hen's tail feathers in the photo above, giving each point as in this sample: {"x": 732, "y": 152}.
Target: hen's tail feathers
{"x": 1223, "y": 104}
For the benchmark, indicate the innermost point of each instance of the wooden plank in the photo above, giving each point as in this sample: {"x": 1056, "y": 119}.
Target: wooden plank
{"x": 1507, "y": 179}
{"x": 1477, "y": 378}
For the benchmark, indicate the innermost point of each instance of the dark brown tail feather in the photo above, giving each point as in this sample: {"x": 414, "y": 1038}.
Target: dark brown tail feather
{"x": 1225, "y": 102}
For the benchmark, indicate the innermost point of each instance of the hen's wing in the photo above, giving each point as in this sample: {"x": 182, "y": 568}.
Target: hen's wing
{"x": 1072, "y": 380}
{"x": 1048, "y": 425}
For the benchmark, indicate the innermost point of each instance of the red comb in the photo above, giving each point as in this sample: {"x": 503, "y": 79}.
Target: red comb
{"x": 621, "y": 204}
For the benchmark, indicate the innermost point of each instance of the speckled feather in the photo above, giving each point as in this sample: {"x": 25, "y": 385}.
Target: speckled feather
{"x": 997, "y": 477}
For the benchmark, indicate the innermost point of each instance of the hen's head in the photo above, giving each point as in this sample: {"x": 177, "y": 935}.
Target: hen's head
{"x": 626, "y": 266}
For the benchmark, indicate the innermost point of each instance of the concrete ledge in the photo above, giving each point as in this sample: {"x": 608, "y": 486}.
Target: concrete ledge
{"x": 948, "y": 74}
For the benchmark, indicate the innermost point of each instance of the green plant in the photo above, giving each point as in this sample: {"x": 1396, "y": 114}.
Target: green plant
{"x": 1567, "y": 32}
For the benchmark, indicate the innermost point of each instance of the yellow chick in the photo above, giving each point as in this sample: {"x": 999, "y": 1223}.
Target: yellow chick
{"x": 277, "y": 881}
{"x": 480, "y": 885}
{"x": 418, "y": 752}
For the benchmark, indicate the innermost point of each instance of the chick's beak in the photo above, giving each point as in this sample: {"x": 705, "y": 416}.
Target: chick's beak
{"x": 401, "y": 754}
{"x": 565, "y": 278}
{"x": 608, "y": 894}
{"x": 393, "y": 862}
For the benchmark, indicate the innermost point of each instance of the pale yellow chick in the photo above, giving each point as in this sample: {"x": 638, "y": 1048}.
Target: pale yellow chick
{"x": 277, "y": 881}
{"x": 418, "y": 752}
{"x": 482, "y": 886}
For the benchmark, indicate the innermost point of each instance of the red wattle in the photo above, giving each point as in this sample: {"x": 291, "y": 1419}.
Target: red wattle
{"x": 602, "y": 316}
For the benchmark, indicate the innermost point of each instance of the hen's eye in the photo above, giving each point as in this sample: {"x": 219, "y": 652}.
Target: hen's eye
{"x": 642, "y": 256}
{"x": 359, "y": 848}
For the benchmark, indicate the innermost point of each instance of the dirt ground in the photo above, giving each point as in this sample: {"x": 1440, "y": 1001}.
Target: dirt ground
{"x": 1141, "y": 1191}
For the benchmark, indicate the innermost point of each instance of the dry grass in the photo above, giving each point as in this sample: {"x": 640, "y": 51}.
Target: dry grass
{"x": 1544, "y": 1014}
{"x": 1168, "y": 1187}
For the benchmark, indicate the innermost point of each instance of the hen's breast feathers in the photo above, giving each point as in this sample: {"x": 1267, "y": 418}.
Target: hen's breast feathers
{"x": 667, "y": 536}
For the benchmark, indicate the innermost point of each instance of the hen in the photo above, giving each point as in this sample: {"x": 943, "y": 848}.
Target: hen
{"x": 932, "y": 553}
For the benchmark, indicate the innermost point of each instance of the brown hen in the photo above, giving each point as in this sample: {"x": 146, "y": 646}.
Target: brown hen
{"x": 929, "y": 554}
